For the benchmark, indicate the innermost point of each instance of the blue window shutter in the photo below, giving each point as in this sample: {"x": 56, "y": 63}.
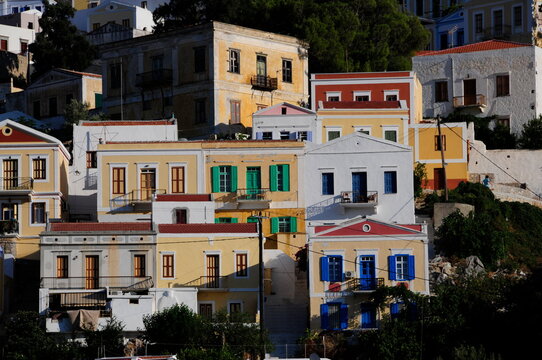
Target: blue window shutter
{"x": 233, "y": 179}
{"x": 324, "y": 319}
{"x": 293, "y": 135}
{"x": 273, "y": 178}
{"x": 411, "y": 266}
{"x": 293, "y": 224}
{"x": 391, "y": 268}
{"x": 387, "y": 182}
{"x": 341, "y": 270}
{"x": 394, "y": 310}
{"x": 309, "y": 135}
{"x": 259, "y": 135}
{"x": 344, "y": 316}
{"x": 215, "y": 178}
{"x": 324, "y": 268}
{"x": 274, "y": 225}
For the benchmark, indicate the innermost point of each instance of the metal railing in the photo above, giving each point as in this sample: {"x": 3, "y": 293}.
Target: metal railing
{"x": 263, "y": 82}
{"x": 127, "y": 283}
{"x": 252, "y": 194}
{"x": 154, "y": 78}
{"x": 16, "y": 183}
{"x": 9, "y": 226}
{"x": 89, "y": 300}
{"x": 136, "y": 196}
{"x": 470, "y": 100}
{"x": 362, "y": 284}
{"x": 208, "y": 282}
{"x": 359, "y": 197}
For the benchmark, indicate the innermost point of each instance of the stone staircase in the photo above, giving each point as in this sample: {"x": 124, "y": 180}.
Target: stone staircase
{"x": 513, "y": 193}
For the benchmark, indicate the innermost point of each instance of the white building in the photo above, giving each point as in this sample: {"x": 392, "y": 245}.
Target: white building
{"x": 489, "y": 78}
{"x": 358, "y": 175}
{"x": 16, "y": 39}
{"x": 286, "y": 121}
{"x": 119, "y": 12}
{"x": 150, "y": 5}
{"x": 17, "y": 6}
{"x": 87, "y": 135}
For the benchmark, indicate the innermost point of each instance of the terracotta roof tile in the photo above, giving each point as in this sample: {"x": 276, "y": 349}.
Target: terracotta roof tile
{"x": 96, "y": 227}
{"x": 480, "y": 46}
{"x": 206, "y": 228}
{"x": 361, "y": 104}
{"x": 127, "y": 123}
{"x": 81, "y": 73}
{"x": 183, "y": 197}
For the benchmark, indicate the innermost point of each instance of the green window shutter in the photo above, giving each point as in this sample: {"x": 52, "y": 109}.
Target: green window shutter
{"x": 286, "y": 177}
{"x": 293, "y": 224}
{"x": 274, "y": 225}
{"x": 217, "y": 220}
{"x": 233, "y": 179}
{"x": 215, "y": 178}
{"x": 234, "y": 220}
{"x": 98, "y": 100}
{"x": 273, "y": 177}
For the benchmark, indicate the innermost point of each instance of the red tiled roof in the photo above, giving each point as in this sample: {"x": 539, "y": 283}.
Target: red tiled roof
{"x": 258, "y": 142}
{"x": 183, "y": 197}
{"x": 127, "y": 123}
{"x": 94, "y": 227}
{"x": 361, "y": 104}
{"x": 82, "y": 73}
{"x": 361, "y": 75}
{"x": 206, "y": 228}
{"x": 481, "y": 46}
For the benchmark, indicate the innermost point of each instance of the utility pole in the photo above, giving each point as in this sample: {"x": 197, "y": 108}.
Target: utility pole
{"x": 261, "y": 282}
{"x": 441, "y": 146}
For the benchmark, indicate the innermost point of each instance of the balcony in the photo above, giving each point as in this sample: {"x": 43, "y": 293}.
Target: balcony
{"x": 358, "y": 199}
{"x": 217, "y": 283}
{"x": 253, "y": 198}
{"x": 471, "y": 101}
{"x": 154, "y": 79}
{"x": 365, "y": 285}
{"x": 138, "y": 199}
{"x": 124, "y": 283}
{"x": 19, "y": 184}
{"x": 502, "y": 32}
{"x": 8, "y": 227}
{"x": 265, "y": 83}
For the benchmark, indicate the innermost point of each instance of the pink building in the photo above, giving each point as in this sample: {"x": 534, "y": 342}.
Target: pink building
{"x": 377, "y": 86}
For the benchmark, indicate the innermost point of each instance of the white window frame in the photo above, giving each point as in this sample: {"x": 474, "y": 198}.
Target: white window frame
{"x": 333, "y": 94}
{"x": 38, "y": 200}
{"x": 331, "y": 128}
{"x": 162, "y": 253}
{"x": 31, "y": 167}
{"x": 391, "y": 92}
{"x": 235, "y": 252}
{"x": 366, "y": 252}
{"x": 361, "y": 93}
{"x": 391, "y": 128}
{"x": 172, "y": 165}
{"x": 327, "y": 171}
{"x": 141, "y": 166}
{"x": 364, "y": 128}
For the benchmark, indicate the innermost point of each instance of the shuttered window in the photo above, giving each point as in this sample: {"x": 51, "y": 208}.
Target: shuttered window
{"x": 279, "y": 177}
{"x": 177, "y": 179}
{"x": 39, "y": 171}
{"x": 503, "y": 85}
{"x": 167, "y": 266}
{"x": 119, "y": 180}
{"x": 401, "y": 267}
{"x": 390, "y": 182}
{"x": 241, "y": 265}
{"x": 139, "y": 265}
{"x": 224, "y": 178}
{"x": 62, "y": 266}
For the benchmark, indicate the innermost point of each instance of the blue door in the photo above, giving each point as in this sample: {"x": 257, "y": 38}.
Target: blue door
{"x": 367, "y": 279}
{"x": 359, "y": 187}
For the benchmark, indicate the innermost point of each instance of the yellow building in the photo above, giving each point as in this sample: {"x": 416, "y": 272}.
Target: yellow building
{"x": 33, "y": 186}
{"x": 206, "y": 75}
{"x": 220, "y": 260}
{"x": 383, "y": 119}
{"x": 455, "y": 144}
{"x": 347, "y": 262}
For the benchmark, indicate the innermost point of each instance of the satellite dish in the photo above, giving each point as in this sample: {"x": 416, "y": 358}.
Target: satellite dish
{"x": 314, "y": 356}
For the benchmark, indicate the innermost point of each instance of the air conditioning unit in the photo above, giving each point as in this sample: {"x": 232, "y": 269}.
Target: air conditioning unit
{"x": 349, "y": 274}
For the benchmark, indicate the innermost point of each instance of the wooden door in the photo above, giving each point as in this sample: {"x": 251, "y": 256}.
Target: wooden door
{"x": 92, "y": 272}
{"x": 438, "y": 178}
{"x": 213, "y": 271}
{"x": 10, "y": 175}
{"x": 469, "y": 91}
{"x": 253, "y": 182}
{"x": 148, "y": 183}
{"x": 180, "y": 216}
{"x": 359, "y": 187}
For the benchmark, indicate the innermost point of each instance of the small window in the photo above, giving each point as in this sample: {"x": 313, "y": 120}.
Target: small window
{"x": 4, "y": 44}
{"x": 279, "y": 177}
{"x": 284, "y": 135}
{"x": 200, "y": 110}
{"x": 441, "y": 91}
{"x": 144, "y": 4}
{"x": 235, "y": 308}
{"x": 286, "y": 71}
{"x": 38, "y": 213}
{"x": 267, "y": 135}
{"x": 284, "y": 224}
{"x": 95, "y": 26}
{"x": 24, "y": 47}
{"x": 390, "y": 135}
{"x": 119, "y": 181}
{"x": 241, "y": 265}
{"x": 361, "y": 98}
{"x": 333, "y": 98}
{"x": 503, "y": 121}
{"x": 327, "y": 184}
{"x": 62, "y": 266}
{"x": 392, "y": 97}
{"x": 199, "y": 59}
{"x": 177, "y": 179}
{"x": 206, "y": 310}
{"x": 334, "y": 316}
{"x": 503, "y": 85}
{"x": 333, "y": 134}
{"x": 224, "y": 220}
{"x": 518, "y": 16}
{"x": 126, "y": 23}
{"x": 401, "y": 267}
{"x": 167, "y": 266}
{"x": 224, "y": 178}
{"x": 303, "y": 135}
{"x": 53, "y": 110}
{"x": 39, "y": 170}
{"x": 440, "y": 142}
{"x": 234, "y": 65}
{"x": 92, "y": 160}
{"x": 235, "y": 111}
{"x": 390, "y": 182}
{"x": 139, "y": 265}
{"x": 31, "y": 25}
{"x": 479, "y": 23}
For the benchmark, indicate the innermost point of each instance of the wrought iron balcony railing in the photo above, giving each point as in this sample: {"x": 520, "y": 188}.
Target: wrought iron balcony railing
{"x": 135, "y": 197}
{"x": 9, "y": 227}
{"x": 154, "y": 78}
{"x": 470, "y": 100}
{"x": 16, "y": 183}
{"x": 126, "y": 283}
{"x": 208, "y": 282}
{"x": 359, "y": 197}
{"x": 262, "y": 82}
{"x": 252, "y": 194}
{"x": 358, "y": 285}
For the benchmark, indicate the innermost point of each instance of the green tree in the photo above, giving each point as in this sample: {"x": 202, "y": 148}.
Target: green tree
{"x": 420, "y": 178}
{"x": 59, "y": 44}
{"x": 531, "y": 135}
{"x": 76, "y": 111}
{"x": 107, "y": 340}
